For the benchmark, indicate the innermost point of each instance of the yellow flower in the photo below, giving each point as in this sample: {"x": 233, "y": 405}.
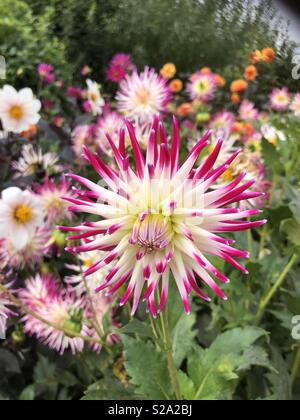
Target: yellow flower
{"x": 168, "y": 71}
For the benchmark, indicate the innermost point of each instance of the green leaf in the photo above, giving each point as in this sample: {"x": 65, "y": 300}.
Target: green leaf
{"x": 183, "y": 338}
{"x": 108, "y": 388}
{"x": 135, "y": 326}
{"x": 147, "y": 368}
{"x": 292, "y": 228}
{"x": 215, "y": 371}
{"x": 28, "y": 393}
{"x": 280, "y": 379}
{"x": 271, "y": 156}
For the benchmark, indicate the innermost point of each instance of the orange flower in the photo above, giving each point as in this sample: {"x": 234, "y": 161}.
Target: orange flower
{"x": 176, "y": 86}
{"x": 238, "y": 127}
{"x": 221, "y": 82}
{"x": 206, "y": 70}
{"x": 235, "y": 98}
{"x": 238, "y": 86}
{"x": 168, "y": 71}
{"x": 256, "y": 57}
{"x": 268, "y": 55}
{"x": 250, "y": 73}
{"x": 184, "y": 110}
{"x": 249, "y": 129}
{"x": 30, "y": 132}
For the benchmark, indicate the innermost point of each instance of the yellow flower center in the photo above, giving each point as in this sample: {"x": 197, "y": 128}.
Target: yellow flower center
{"x": 228, "y": 175}
{"x": 16, "y": 112}
{"x": 143, "y": 96}
{"x": 22, "y": 214}
{"x": 94, "y": 97}
{"x": 281, "y": 98}
{"x": 202, "y": 86}
{"x": 88, "y": 263}
{"x": 154, "y": 233}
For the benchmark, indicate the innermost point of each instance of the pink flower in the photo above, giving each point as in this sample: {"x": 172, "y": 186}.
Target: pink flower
{"x": 161, "y": 217}
{"x": 62, "y": 310}
{"x": 202, "y": 86}
{"x": 50, "y": 194}
{"x": 74, "y": 92}
{"x": 248, "y": 112}
{"x": 295, "y": 105}
{"x": 122, "y": 60}
{"x": 85, "y": 71}
{"x": 87, "y": 106}
{"x": 47, "y": 105}
{"x": 5, "y": 311}
{"x": 45, "y": 72}
{"x": 280, "y": 99}
{"x": 141, "y": 96}
{"x": 115, "y": 73}
{"x": 33, "y": 253}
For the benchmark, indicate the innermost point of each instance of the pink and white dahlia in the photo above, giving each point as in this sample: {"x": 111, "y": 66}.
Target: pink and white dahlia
{"x": 50, "y": 194}
{"x": 202, "y": 86}
{"x": 222, "y": 123}
{"x": 280, "y": 99}
{"x": 162, "y": 218}
{"x": 84, "y": 135}
{"x": 141, "y": 96}
{"x": 5, "y": 311}
{"x": 33, "y": 253}
{"x": 110, "y": 124}
{"x": 248, "y": 112}
{"x": 61, "y": 309}
{"x": 295, "y": 105}
{"x": 85, "y": 261}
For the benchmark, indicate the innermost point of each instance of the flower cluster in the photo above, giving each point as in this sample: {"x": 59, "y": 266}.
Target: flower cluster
{"x": 111, "y": 197}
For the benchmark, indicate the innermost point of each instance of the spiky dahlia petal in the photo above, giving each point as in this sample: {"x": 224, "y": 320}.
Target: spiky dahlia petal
{"x": 143, "y": 95}
{"x": 161, "y": 218}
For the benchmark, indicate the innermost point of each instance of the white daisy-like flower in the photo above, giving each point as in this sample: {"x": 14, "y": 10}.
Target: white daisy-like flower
{"x": 18, "y": 110}
{"x": 271, "y": 134}
{"x": 32, "y": 162}
{"x": 20, "y": 215}
{"x": 141, "y": 96}
{"x": 94, "y": 97}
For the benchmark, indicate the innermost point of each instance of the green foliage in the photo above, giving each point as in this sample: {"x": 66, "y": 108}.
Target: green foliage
{"x": 213, "y": 374}
{"x": 187, "y": 32}
{"x": 27, "y": 40}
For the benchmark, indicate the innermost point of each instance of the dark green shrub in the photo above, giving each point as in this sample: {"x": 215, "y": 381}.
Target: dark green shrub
{"x": 26, "y": 40}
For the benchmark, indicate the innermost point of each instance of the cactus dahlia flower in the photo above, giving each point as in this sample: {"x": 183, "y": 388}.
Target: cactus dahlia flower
{"x": 62, "y": 308}
{"x": 202, "y": 86}
{"x": 161, "y": 218}
{"x": 141, "y": 96}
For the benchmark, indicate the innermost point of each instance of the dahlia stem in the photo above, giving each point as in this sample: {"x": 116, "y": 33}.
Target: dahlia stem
{"x": 265, "y": 300}
{"x": 95, "y": 324}
{"x": 296, "y": 366}
{"x": 262, "y": 240}
{"x": 168, "y": 348}
{"x": 27, "y": 310}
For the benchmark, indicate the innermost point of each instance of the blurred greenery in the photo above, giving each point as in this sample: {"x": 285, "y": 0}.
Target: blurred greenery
{"x": 189, "y": 33}
{"x": 26, "y": 40}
